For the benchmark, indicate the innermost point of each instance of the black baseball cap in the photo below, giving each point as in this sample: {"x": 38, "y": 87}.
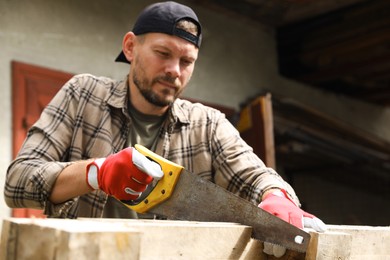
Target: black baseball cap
{"x": 162, "y": 18}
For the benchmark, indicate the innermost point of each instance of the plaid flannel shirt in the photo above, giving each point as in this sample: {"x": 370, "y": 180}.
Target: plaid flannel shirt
{"x": 88, "y": 118}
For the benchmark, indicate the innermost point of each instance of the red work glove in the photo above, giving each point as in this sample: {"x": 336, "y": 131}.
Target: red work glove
{"x": 280, "y": 205}
{"x": 124, "y": 175}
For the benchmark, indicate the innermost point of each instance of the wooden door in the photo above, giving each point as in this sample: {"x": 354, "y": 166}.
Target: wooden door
{"x": 32, "y": 89}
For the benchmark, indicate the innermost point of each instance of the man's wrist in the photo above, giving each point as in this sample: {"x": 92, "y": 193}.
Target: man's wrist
{"x": 92, "y": 173}
{"x": 274, "y": 191}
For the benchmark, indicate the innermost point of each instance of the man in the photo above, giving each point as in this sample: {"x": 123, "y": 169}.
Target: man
{"x": 75, "y": 154}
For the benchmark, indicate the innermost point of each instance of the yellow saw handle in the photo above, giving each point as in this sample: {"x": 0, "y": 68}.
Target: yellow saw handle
{"x": 164, "y": 187}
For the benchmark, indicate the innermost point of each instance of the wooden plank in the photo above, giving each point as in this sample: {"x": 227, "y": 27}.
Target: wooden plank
{"x": 350, "y": 242}
{"x": 329, "y": 245}
{"x": 367, "y": 242}
{"x": 257, "y": 129}
{"x": 189, "y": 240}
{"x": 123, "y": 239}
{"x": 28, "y": 238}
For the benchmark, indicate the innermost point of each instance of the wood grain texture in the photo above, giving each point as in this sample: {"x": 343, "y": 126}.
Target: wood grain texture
{"x": 30, "y": 238}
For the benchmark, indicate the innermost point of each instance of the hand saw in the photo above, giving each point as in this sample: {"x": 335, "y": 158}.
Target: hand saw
{"x": 181, "y": 195}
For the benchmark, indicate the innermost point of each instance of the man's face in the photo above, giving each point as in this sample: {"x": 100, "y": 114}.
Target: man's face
{"x": 162, "y": 66}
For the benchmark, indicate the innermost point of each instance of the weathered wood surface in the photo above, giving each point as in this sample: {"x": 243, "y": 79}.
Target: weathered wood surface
{"x": 257, "y": 129}
{"x": 30, "y": 238}
{"x": 153, "y": 239}
{"x": 367, "y": 242}
{"x": 329, "y": 245}
{"x": 123, "y": 239}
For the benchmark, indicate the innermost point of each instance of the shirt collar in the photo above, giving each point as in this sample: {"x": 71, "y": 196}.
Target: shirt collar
{"x": 119, "y": 94}
{"x": 178, "y": 111}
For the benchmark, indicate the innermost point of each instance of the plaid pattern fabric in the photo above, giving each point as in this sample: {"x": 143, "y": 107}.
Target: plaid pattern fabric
{"x": 88, "y": 118}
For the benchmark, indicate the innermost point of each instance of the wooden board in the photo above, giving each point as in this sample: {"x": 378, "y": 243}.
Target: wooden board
{"x": 29, "y": 238}
{"x": 367, "y": 242}
{"x": 256, "y": 128}
{"x": 329, "y": 245}
{"x": 123, "y": 239}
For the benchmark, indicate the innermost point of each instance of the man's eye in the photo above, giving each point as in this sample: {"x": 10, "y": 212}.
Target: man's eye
{"x": 186, "y": 62}
{"x": 163, "y": 54}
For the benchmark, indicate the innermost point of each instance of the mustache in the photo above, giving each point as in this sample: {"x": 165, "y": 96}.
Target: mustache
{"x": 166, "y": 78}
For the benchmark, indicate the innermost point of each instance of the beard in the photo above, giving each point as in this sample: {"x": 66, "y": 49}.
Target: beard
{"x": 145, "y": 87}
{"x": 161, "y": 99}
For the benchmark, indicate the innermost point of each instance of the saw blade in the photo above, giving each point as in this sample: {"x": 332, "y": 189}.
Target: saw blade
{"x": 181, "y": 195}
{"x": 197, "y": 199}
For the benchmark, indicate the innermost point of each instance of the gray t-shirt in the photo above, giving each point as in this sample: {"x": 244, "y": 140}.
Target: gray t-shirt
{"x": 144, "y": 130}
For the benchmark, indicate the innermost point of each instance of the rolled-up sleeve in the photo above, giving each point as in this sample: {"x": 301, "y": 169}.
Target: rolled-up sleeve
{"x": 31, "y": 176}
{"x": 207, "y": 144}
{"x": 239, "y": 169}
{"x": 84, "y": 120}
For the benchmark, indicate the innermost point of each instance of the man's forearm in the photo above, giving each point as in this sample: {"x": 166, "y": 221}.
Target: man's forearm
{"x": 70, "y": 183}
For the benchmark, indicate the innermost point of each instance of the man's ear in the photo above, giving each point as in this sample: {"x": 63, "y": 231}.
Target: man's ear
{"x": 128, "y": 45}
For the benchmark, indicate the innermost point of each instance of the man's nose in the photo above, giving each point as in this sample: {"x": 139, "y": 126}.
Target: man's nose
{"x": 172, "y": 68}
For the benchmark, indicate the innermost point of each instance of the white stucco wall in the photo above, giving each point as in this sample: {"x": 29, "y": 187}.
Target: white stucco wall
{"x": 237, "y": 59}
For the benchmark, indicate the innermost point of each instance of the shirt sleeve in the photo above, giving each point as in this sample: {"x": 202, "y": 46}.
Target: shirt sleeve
{"x": 31, "y": 176}
{"x": 239, "y": 169}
